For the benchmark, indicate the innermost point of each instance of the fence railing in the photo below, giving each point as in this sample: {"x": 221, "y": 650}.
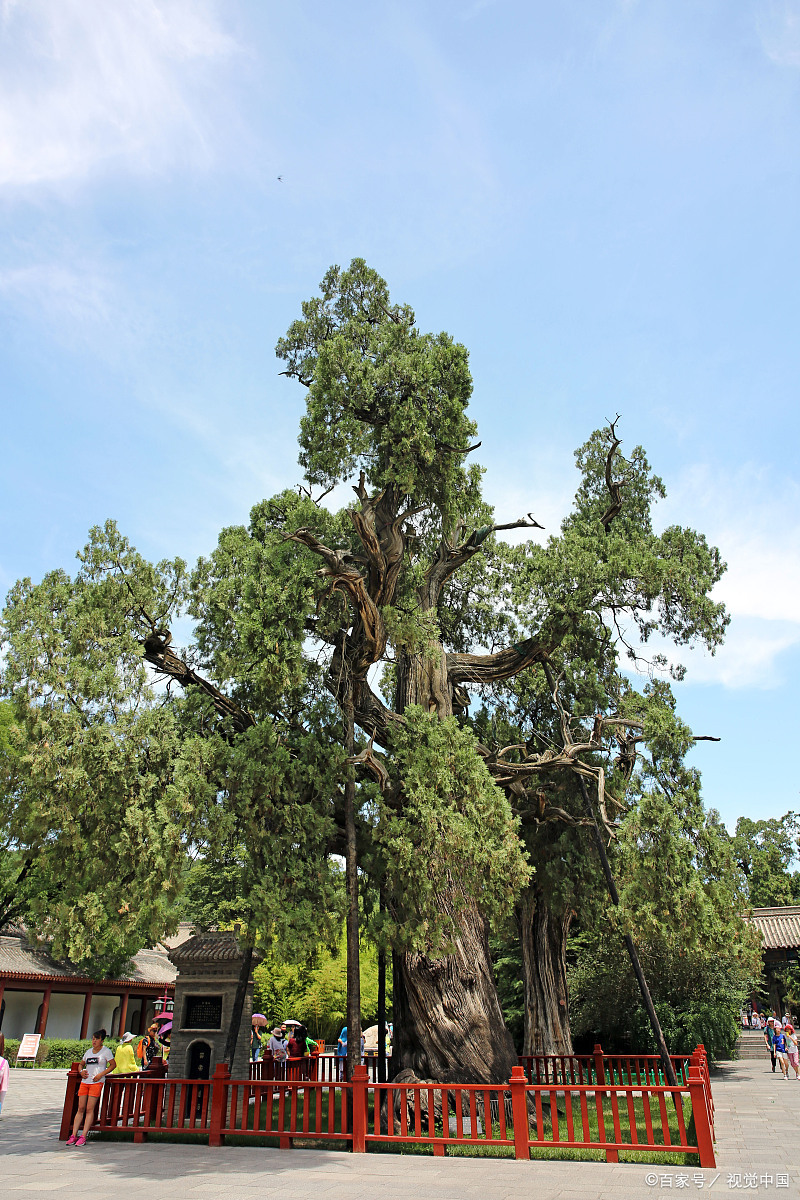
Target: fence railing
{"x": 559, "y": 1069}
{"x": 600, "y": 1113}
{"x": 324, "y": 1067}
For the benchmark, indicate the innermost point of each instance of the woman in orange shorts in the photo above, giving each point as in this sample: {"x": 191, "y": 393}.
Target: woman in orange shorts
{"x": 97, "y": 1063}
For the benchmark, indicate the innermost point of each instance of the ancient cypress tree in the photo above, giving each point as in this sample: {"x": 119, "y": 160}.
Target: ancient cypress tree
{"x": 425, "y": 584}
{"x": 405, "y": 606}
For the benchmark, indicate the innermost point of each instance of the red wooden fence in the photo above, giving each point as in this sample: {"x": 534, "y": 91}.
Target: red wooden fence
{"x": 539, "y": 1068}
{"x": 599, "y": 1112}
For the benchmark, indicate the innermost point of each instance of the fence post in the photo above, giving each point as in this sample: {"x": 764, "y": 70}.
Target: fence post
{"x": 70, "y": 1101}
{"x": 599, "y": 1064}
{"x": 219, "y": 1104}
{"x": 151, "y": 1092}
{"x": 359, "y": 1090}
{"x": 702, "y": 1126}
{"x": 519, "y": 1111}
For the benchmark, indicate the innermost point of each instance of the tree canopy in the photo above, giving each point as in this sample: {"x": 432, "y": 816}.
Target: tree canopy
{"x": 766, "y": 852}
{"x": 409, "y": 605}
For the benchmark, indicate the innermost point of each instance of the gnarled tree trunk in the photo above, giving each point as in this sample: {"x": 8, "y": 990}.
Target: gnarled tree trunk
{"x": 447, "y": 1018}
{"x": 543, "y": 940}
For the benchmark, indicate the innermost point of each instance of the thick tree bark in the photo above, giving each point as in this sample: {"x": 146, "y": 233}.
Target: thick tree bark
{"x": 382, "y": 1006}
{"x": 423, "y": 680}
{"x": 543, "y": 940}
{"x": 447, "y": 1018}
{"x": 351, "y": 881}
{"x": 238, "y": 1007}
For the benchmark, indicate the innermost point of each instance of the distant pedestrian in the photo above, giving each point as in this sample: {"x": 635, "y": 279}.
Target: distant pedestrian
{"x": 98, "y": 1061}
{"x": 255, "y": 1043}
{"x": 4, "y": 1072}
{"x": 297, "y": 1042}
{"x": 780, "y": 1050}
{"x": 341, "y": 1052}
{"x": 792, "y": 1048}
{"x": 755, "y": 1020}
{"x": 277, "y": 1046}
{"x": 769, "y": 1038}
{"x": 149, "y": 1047}
{"x": 125, "y": 1058}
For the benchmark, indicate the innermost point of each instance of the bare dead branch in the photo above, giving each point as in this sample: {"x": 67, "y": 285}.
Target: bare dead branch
{"x": 166, "y": 662}
{"x": 614, "y": 486}
{"x": 370, "y": 643}
{"x": 369, "y": 760}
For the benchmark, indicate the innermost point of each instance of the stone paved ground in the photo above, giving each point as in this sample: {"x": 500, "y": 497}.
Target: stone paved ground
{"x": 758, "y": 1135}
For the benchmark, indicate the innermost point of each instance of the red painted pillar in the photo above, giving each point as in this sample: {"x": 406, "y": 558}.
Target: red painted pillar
{"x": 702, "y": 1125}
{"x": 519, "y": 1110}
{"x": 87, "y": 1008}
{"x": 123, "y": 1012}
{"x": 359, "y": 1086}
{"x": 70, "y": 1102}
{"x": 219, "y": 1105}
{"x": 45, "y": 1011}
{"x": 599, "y": 1065}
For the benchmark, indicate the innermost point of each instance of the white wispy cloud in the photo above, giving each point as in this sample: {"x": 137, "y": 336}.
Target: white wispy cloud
{"x": 754, "y": 517}
{"x": 85, "y": 84}
{"x": 72, "y": 298}
{"x": 778, "y": 25}
{"x": 751, "y": 515}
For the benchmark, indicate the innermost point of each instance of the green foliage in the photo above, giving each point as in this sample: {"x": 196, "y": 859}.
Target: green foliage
{"x": 211, "y": 892}
{"x": 765, "y": 851}
{"x": 698, "y": 993}
{"x": 455, "y": 830}
{"x": 508, "y": 973}
{"x": 314, "y": 990}
{"x": 112, "y": 783}
{"x": 53, "y": 1052}
{"x": 675, "y": 861}
{"x": 95, "y": 814}
{"x": 383, "y": 397}
{"x": 788, "y": 980}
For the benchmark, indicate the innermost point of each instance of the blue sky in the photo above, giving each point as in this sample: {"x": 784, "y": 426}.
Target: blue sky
{"x": 599, "y": 199}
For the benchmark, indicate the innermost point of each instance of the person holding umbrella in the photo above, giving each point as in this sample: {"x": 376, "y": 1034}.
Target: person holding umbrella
{"x": 259, "y": 1022}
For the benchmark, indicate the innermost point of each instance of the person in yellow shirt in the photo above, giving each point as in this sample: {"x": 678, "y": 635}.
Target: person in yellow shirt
{"x": 125, "y": 1057}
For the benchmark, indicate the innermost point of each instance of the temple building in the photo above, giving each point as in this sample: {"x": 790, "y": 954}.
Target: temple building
{"x": 57, "y": 1000}
{"x": 780, "y": 939}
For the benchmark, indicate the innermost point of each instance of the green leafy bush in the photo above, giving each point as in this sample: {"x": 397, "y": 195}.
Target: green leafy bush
{"x": 315, "y": 990}
{"x": 54, "y": 1052}
{"x": 698, "y": 997}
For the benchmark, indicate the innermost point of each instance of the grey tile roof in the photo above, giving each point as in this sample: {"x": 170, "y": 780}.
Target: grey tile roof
{"x": 20, "y": 960}
{"x": 217, "y": 946}
{"x": 779, "y": 927}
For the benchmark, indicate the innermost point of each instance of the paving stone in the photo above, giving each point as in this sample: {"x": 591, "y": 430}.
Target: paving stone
{"x": 757, "y": 1121}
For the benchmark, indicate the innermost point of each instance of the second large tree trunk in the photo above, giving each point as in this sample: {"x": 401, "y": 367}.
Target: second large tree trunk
{"x": 543, "y": 940}
{"x": 448, "y": 1024}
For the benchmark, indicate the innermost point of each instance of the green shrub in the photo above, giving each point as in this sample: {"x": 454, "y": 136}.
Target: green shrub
{"x": 53, "y": 1052}
{"x": 698, "y": 997}
{"x": 63, "y": 1052}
